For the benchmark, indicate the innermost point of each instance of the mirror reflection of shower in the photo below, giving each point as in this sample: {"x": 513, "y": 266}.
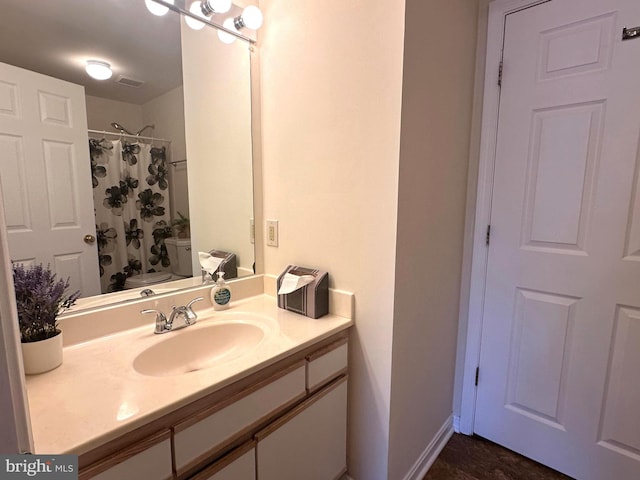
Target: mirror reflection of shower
{"x": 141, "y": 209}
{"x": 121, "y": 129}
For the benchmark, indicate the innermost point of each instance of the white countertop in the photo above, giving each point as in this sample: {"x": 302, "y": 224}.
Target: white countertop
{"x": 96, "y": 395}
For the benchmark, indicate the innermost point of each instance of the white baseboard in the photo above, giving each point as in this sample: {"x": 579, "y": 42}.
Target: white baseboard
{"x": 426, "y": 459}
{"x": 456, "y": 423}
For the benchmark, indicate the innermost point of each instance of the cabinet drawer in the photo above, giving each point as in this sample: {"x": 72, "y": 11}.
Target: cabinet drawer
{"x": 237, "y": 465}
{"x": 203, "y": 435}
{"x": 149, "y": 459}
{"x": 326, "y": 364}
{"x": 310, "y": 442}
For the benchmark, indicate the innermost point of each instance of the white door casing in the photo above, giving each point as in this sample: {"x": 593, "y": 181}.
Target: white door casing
{"x": 498, "y": 10}
{"x": 561, "y": 319}
{"x": 15, "y": 421}
{"x": 46, "y": 175}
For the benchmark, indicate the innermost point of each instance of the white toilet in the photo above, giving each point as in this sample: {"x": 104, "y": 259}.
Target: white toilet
{"x": 145, "y": 279}
{"x": 179, "y": 251}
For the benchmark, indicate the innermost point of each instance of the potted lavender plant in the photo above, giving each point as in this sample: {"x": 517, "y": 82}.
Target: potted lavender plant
{"x": 40, "y": 298}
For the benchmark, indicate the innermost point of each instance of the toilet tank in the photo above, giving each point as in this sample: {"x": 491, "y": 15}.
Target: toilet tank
{"x": 179, "y": 251}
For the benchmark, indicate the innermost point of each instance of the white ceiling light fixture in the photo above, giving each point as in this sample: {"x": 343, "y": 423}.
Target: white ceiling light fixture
{"x": 225, "y": 37}
{"x": 157, "y": 8}
{"x": 196, "y": 9}
{"x": 250, "y": 18}
{"x": 98, "y": 69}
{"x": 211, "y": 7}
{"x": 231, "y": 20}
{"x": 206, "y": 9}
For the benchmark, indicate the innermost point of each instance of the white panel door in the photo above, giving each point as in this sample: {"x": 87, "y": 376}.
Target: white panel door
{"x": 560, "y": 348}
{"x": 46, "y": 175}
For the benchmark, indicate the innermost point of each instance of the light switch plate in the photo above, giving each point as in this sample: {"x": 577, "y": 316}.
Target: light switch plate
{"x": 272, "y": 233}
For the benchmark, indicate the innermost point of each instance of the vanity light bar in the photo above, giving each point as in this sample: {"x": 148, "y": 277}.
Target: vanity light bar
{"x": 215, "y": 22}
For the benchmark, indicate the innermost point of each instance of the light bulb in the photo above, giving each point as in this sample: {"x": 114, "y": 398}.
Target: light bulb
{"x": 252, "y": 17}
{"x": 156, "y": 8}
{"x": 98, "y": 70}
{"x": 196, "y": 9}
{"x": 220, "y": 6}
{"x": 225, "y": 37}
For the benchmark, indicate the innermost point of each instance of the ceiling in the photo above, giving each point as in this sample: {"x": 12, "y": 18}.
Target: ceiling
{"x": 56, "y": 38}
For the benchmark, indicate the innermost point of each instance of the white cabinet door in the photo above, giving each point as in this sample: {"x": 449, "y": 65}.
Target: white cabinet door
{"x": 197, "y": 438}
{"x": 149, "y": 459}
{"x": 310, "y": 442}
{"x": 237, "y": 465}
{"x": 328, "y": 363}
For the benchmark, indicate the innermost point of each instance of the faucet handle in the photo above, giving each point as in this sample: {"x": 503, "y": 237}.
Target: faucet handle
{"x": 197, "y": 299}
{"x": 162, "y": 325}
{"x": 190, "y": 315}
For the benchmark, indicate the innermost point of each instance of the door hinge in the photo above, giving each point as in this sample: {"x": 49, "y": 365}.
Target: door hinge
{"x": 477, "y": 375}
{"x": 500, "y": 68}
{"x": 488, "y": 238}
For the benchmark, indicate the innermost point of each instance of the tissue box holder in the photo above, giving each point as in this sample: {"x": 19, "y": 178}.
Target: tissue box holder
{"x": 229, "y": 265}
{"x": 312, "y": 300}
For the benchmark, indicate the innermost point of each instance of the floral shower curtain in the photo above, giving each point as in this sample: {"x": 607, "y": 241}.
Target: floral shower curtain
{"x": 131, "y": 200}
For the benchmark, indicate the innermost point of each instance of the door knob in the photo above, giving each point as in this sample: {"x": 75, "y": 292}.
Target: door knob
{"x": 89, "y": 239}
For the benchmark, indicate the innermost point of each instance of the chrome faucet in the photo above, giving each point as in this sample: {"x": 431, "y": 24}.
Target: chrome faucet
{"x": 164, "y": 325}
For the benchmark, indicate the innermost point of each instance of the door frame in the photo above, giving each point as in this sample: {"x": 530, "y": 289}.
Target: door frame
{"x": 16, "y": 421}
{"x": 498, "y": 11}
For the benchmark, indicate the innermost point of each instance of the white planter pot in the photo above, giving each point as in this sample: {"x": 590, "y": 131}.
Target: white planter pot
{"x": 42, "y": 356}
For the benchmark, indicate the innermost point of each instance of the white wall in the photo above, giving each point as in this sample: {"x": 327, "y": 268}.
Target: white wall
{"x": 166, "y": 112}
{"x": 331, "y": 95}
{"x": 101, "y": 112}
{"x": 434, "y": 156}
{"x": 218, "y": 140}
{"x": 343, "y": 180}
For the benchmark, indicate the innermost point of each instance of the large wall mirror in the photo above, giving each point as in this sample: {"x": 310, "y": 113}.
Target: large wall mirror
{"x": 160, "y": 154}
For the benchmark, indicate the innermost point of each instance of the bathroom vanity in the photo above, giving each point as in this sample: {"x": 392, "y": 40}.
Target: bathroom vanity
{"x": 268, "y": 402}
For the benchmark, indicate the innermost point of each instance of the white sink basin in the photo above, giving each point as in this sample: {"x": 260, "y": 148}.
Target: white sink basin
{"x": 198, "y": 347}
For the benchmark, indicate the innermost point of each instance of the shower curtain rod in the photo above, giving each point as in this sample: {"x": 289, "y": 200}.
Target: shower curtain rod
{"x": 118, "y": 134}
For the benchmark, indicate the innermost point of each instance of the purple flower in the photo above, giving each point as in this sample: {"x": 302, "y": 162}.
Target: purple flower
{"x": 40, "y": 298}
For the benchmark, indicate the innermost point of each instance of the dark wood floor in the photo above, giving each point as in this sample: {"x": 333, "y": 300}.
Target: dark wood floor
{"x": 474, "y": 458}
